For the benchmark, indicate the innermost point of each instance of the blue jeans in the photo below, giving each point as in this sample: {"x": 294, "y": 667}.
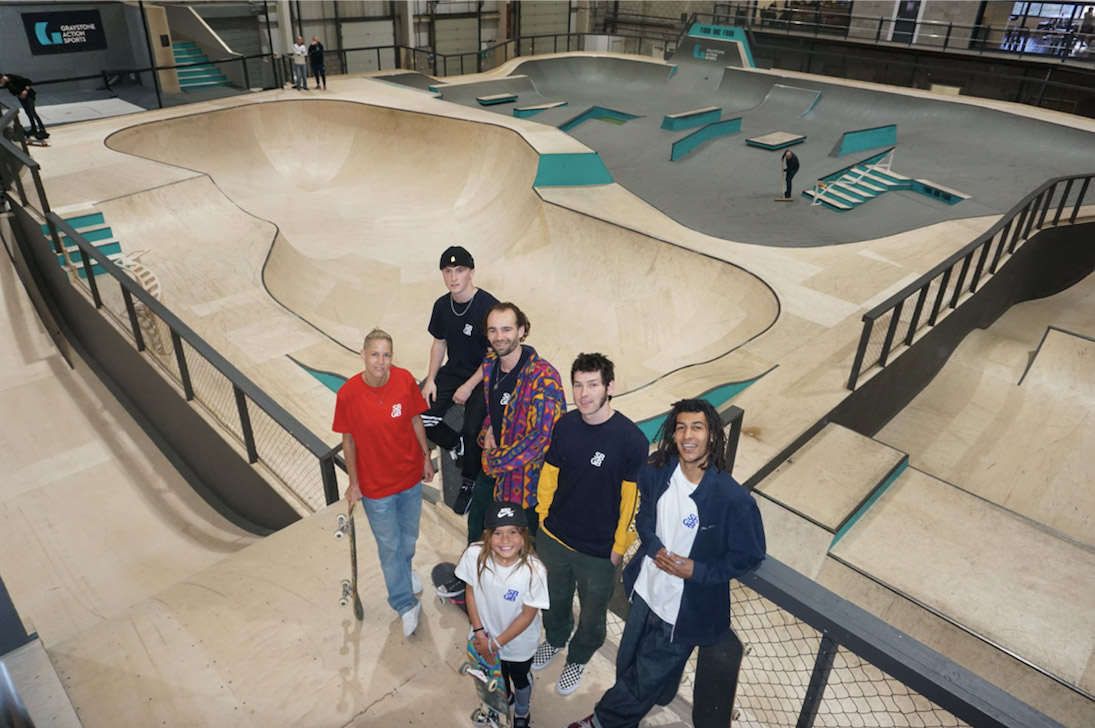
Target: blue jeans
{"x": 648, "y": 669}
{"x": 300, "y": 75}
{"x": 394, "y": 523}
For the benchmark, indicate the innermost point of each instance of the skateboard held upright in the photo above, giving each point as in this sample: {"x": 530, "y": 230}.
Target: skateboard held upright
{"x": 493, "y": 707}
{"x": 449, "y": 587}
{"x": 349, "y": 586}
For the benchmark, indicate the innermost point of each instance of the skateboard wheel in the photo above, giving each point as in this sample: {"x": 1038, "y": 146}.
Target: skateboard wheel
{"x": 346, "y": 584}
{"x": 464, "y": 668}
{"x": 479, "y": 717}
{"x": 339, "y": 535}
{"x": 341, "y": 519}
{"x": 343, "y": 602}
{"x": 492, "y": 686}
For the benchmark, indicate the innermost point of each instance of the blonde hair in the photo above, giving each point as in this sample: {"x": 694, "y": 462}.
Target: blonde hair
{"x": 375, "y": 334}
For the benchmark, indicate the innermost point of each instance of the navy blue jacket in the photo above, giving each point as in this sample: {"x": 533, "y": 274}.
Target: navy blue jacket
{"x": 730, "y": 543}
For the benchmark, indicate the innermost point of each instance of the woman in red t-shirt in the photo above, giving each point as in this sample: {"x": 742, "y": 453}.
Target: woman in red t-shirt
{"x": 378, "y": 412}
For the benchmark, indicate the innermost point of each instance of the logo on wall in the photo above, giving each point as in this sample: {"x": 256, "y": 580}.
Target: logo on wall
{"x": 70, "y": 31}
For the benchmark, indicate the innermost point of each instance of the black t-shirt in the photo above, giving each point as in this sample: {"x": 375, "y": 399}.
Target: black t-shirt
{"x": 461, "y": 325}
{"x": 593, "y": 462}
{"x": 502, "y": 385}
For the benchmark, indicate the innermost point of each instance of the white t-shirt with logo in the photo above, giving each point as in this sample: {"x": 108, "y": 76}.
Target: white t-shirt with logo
{"x": 677, "y": 525}
{"x": 500, "y": 596}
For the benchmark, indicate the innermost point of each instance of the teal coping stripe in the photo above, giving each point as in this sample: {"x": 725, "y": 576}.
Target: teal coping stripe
{"x": 681, "y": 147}
{"x": 597, "y": 112}
{"x": 687, "y": 122}
{"x": 723, "y": 32}
{"x": 717, "y": 397}
{"x": 870, "y": 502}
{"x": 857, "y": 141}
{"x": 650, "y": 427}
{"x": 816, "y": 99}
{"x": 571, "y": 170}
{"x": 524, "y": 113}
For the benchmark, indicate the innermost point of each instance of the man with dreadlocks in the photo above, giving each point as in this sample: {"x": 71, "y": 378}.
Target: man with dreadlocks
{"x": 698, "y": 529}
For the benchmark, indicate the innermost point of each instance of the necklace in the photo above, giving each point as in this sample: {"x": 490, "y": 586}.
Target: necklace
{"x": 499, "y": 379}
{"x": 452, "y": 305}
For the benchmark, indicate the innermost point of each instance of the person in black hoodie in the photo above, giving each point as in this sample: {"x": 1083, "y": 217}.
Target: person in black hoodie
{"x": 19, "y": 87}
{"x": 315, "y": 56}
{"x": 790, "y": 166}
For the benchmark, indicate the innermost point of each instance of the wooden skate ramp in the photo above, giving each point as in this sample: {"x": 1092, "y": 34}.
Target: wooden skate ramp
{"x": 364, "y": 200}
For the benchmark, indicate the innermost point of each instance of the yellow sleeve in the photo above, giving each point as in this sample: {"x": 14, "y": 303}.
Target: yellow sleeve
{"x": 545, "y": 490}
{"x": 625, "y": 528}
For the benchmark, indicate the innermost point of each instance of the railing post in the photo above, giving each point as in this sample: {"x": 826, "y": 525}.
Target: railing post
{"x": 1032, "y": 208}
{"x": 961, "y": 280}
{"x": 918, "y": 310}
{"x": 1000, "y": 248}
{"x": 132, "y": 311}
{"x": 733, "y": 417}
{"x": 857, "y": 364}
{"x": 887, "y": 343}
{"x": 245, "y": 425}
{"x": 939, "y": 297}
{"x": 878, "y": 33}
{"x": 980, "y": 265}
{"x": 92, "y": 284}
{"x": 184, "y": 370}
{"x": 1018, "y": 229}
{"x": 819, "y": 678}
{"x": 1048, "y": 195}
{"x": 1061, "y": 204}
{"x": 1079, "y": 200}
{"x": 947, "y": 37}
{"x": 246, "y": 74}
{"x": 330, "y": 481}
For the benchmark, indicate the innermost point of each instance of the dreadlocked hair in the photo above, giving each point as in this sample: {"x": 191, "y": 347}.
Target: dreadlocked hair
{"x": 716, "y": 437}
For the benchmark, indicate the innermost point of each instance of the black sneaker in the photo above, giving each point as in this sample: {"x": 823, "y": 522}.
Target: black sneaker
{"x": 463, "y": 497}
{"x": 521, "y": 721}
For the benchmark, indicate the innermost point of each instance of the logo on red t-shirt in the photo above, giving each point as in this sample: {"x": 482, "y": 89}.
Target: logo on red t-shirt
{"x": 397, "y": 410}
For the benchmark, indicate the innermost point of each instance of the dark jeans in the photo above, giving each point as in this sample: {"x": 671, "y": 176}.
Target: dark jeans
{"x": 37, "y": 128}
{"x": 440, "y": 434}
{"x": 594, "y": 578}
{"x": 788, "y": 177}
{"x": 481, "y": 498}
{"x": 320, "y": 71}
{"x": 648, "y": 670}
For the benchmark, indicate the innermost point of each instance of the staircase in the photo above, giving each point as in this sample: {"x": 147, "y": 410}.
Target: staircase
{"x": 858, "y": 185}
{"x": 202, "y": 76}
{"x": 94, "y": 229}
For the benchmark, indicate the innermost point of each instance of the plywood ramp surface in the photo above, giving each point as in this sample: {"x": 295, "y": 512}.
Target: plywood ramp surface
{"x": 93, "y": 517}
{"x": 1029, "y": 447}
{"x": 829, "y": 477}
{"x": 259, "y": 640}
{"x": 990, "y": 570}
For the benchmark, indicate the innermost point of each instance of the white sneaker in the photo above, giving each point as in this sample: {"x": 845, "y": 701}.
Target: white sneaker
{"x": 570, "y": 678}
{"x": 410, "y": 620}
{"x": 416, "y": 583}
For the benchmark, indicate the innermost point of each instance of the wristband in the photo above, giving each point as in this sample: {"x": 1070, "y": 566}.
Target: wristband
{"x": 478, "y": 629}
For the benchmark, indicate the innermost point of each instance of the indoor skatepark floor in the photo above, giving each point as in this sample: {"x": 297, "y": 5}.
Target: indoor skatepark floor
{"x": 286, "y": 228}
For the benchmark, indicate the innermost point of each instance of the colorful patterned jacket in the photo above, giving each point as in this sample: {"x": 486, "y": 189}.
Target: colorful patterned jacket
{"x": 538, "y": 401}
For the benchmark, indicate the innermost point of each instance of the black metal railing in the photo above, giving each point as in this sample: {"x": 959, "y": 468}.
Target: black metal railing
{"x": 1067, "y": 45}
{"x": 896, "y": 323}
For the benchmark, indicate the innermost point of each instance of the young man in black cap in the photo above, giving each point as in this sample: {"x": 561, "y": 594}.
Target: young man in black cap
{"x": 20, "y": 88}
{"x": 457, "y": 329}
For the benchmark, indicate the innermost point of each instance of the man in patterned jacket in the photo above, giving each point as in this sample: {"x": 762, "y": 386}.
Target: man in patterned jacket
{"x": 525, "y": 397}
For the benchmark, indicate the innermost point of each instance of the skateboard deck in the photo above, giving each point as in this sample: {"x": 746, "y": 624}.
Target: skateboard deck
{"x": 493, "y": 707}
{"x": 36, "y": 143}
{"x": 444, "y": 576}
{"x": 716, "y": 682}
{"x": 349, "y": 586}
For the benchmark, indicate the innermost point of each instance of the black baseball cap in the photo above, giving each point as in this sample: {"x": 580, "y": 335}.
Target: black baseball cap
{"x": 505, "y": 513}
{"x": 456, "y": 255}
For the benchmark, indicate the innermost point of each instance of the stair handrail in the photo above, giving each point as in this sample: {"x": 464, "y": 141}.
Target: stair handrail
{"x": 818, "y": 185}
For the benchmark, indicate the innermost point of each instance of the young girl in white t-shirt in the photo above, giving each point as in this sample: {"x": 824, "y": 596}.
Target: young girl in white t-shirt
{"x": 506, "y": 589}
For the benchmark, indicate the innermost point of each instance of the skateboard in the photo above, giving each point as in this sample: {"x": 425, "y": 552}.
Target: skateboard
{"x": 349, "y": 586}
{"x": 450, "y": 588}
{"x": 37, "y": 143}
{"x": 716, "y": 681}
{"x": 493, "y": 707}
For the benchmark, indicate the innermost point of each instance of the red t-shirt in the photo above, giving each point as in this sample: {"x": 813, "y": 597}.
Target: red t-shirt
{"x": 389, "y": 459}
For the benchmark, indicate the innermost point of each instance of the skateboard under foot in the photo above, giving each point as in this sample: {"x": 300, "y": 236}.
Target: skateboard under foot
{"x": 349, "y": 586}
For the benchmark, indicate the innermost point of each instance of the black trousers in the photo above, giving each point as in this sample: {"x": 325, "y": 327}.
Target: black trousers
{"x": 37, "y": 128}
{"x": 440, "y": 434}
{"x": 788, "y": 176}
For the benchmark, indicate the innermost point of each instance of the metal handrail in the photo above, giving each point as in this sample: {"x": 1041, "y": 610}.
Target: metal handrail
{"x": 1036, "y": 204}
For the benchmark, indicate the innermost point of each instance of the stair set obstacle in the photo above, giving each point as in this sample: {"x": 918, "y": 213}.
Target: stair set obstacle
{"x": 93, "y": 227}
{"x": 200, "y": 76}
{"x": 861, "y": 182}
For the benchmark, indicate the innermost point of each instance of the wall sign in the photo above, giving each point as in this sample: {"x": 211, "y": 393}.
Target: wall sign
{"x": 66, "y": 31}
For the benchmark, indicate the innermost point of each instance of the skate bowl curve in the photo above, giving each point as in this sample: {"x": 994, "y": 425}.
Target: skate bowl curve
{"x": 364, "y": 199}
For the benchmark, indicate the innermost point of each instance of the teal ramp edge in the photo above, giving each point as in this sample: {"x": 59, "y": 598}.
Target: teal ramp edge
{"x": 571, "y": 170}
{"x": 722, "y": 32}
{"x": 523, "y": 113}
{"x": 597, "y": 112}
{"x": 690, "y": 120}
{"x": 683, "y": 146}
{"x": 717, "y": 397}
{"x": 870, "y": 502}
{"x": 857, "y": 141}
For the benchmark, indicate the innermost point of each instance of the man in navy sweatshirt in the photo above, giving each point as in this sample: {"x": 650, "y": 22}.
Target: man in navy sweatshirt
{"x": 698, "y": 529}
